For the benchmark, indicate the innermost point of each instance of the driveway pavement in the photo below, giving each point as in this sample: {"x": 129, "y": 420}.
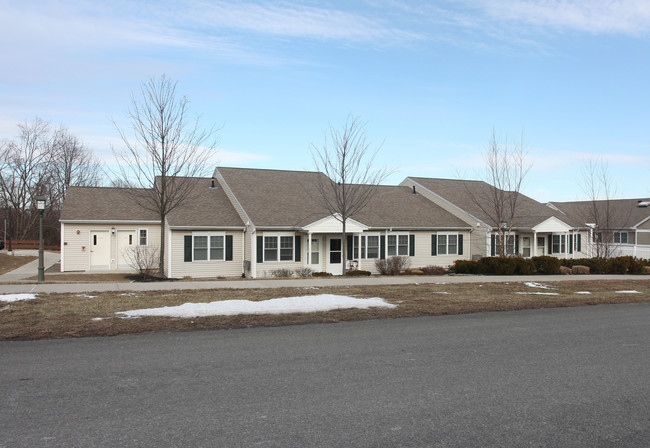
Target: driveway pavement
{"x": 569, "y": 377}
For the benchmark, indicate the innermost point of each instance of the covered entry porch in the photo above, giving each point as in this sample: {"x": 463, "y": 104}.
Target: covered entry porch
{"x": 325, "y": 246}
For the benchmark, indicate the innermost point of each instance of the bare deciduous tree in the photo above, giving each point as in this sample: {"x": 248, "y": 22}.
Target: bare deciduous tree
{"x": 346, "y": 159}
{"x": 72, "y": 163}
{"x": 24, "y": 173}
{"x": 167, "y": 146}
{"x": 601, "y": 212}
{"x": 505, "y": 170}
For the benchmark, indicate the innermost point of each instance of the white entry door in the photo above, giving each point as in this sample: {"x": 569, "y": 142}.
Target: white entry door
{"x": 125, "y": 243}
{"x": 315, "y": 263}
{"x": 100, "y": 249}
{"x": 334, "y": 255}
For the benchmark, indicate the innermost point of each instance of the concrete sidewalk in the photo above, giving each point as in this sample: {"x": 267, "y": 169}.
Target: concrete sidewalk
{"x": 298, "y": 283}
{"x": 30, "y": 269}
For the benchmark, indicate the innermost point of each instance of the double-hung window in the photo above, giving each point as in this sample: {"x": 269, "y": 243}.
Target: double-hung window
{"x": 370, "y": 246}
{"x": 447, "y": 244}
{"x": 278, "y": 248}
{"x": 398, "y": 245}
{"x": 143, "y": 237}
{"x": 208, "y": 247}
{"x": 620, "y": 237}
{"x": 558, "y": 245}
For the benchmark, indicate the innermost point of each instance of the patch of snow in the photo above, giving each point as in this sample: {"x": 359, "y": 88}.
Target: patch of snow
{"x": 539, "y": 293}
{"x": 5, "y": 308}
{"x": 86, "y": 296}
{"x": 583, "y": 292}
{"x": 285, "y": 305}
{"x": 98, "y": 318}
{"x": 441, "y": 292}
{"x": 537, "y": 285}
{"x": 631, "y": 291}
{"x": 16, "y": 297}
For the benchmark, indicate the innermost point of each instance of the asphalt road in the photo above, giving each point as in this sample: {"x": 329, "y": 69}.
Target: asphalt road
{"x": 572, "y": 377}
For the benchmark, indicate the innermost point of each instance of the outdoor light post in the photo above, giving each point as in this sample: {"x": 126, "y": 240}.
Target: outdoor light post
{"x": 40, "y": 203}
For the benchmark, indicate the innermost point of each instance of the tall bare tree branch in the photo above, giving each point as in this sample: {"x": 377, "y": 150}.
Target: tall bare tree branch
{"x": 167, "y": 146}
{"x": 346, "y": 158}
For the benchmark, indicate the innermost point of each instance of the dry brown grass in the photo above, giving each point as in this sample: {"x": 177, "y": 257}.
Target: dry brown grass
{"x": 70, "y": 315}
{"x": 10, "y": 262}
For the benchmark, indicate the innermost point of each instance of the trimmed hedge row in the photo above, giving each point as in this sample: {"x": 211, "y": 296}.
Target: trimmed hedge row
{"x": 548, "y": 265}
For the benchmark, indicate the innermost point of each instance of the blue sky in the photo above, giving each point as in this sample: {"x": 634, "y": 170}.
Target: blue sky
{"x": 431, "y": 79}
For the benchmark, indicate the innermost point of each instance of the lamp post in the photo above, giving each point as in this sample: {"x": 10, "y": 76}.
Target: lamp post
{"x": 40, "y": 203}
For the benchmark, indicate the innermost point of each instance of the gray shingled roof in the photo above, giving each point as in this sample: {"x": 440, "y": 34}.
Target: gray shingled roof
{"x": 280, "y": 198}
{"x": 203, "y": 207}
{"x": 103, "y": 204}
{"x": 623, "y": 213}
{"x": 467, "y": 194}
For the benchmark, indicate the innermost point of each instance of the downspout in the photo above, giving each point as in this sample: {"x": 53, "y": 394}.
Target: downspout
{"x": 243, "y": 252}
{"x": 253, "y": 252}
{"x": 169, "y": 249}
{"x": 62, "y": 246}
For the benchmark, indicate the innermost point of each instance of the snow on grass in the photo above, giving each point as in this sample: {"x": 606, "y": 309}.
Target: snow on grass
{"x": 285, "y": 305}
{"x": 630, "y": 291}
{"x": 583, "y": 292}
{"x": 537, "y": 285}
{"x": 86, "y": 296}
{"x": 539, "y": 293}
{"x": 16, "y": 297}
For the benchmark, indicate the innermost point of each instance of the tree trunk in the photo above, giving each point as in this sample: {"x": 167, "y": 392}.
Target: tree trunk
{"x": 161, "y": 263}
{"x": 344, "y": 247}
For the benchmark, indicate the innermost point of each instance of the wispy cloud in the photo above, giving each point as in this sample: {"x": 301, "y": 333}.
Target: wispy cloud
{"x": 298, "y": 20}
{"x": 594, "y": 16}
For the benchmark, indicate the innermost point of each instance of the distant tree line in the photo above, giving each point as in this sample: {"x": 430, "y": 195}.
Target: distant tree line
{"x": 43, "y": 160}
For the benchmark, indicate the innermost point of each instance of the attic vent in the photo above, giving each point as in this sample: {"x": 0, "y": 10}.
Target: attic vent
{"x": 212, "y": 184}
{"x": 643, "y": 203}
{"x": 414, "y": 190}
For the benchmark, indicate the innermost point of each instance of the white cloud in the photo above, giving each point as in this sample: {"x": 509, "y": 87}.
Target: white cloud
{"x": 595, "y": 16}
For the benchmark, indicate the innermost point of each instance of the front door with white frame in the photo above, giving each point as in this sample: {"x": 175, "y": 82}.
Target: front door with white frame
{"x": 315, "y": 262}
{"x": 125, "y": 243}
{"x": 100, "y": 250}
{"x": 334, "y": 255}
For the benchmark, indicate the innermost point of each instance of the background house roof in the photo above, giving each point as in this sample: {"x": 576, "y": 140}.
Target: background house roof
{"x": 472, "y": 196}
{"x": 204, "y": 206}
{"x": 281, "y": 198}
{"x": 613, "y": 214}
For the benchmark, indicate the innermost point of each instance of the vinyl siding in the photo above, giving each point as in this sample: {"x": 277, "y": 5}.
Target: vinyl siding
{"x": 205, "y": 269}
{"x": 76, "y": 246}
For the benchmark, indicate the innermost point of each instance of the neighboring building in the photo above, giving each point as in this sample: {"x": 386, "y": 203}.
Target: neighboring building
{"x": 616, "y": 226}
{"x": 535, "y": 229}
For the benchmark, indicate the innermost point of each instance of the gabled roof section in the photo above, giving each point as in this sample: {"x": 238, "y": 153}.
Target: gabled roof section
{"x": 276, "y": 198}
{"x": 103, "y": 204}
{"x": 472, "y": 196}
{"x": 281, "y": 198}
{"x": 613, "y": 214}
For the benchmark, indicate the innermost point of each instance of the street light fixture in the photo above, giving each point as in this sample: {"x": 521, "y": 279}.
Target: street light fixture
{"x": 40, "y": 204}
